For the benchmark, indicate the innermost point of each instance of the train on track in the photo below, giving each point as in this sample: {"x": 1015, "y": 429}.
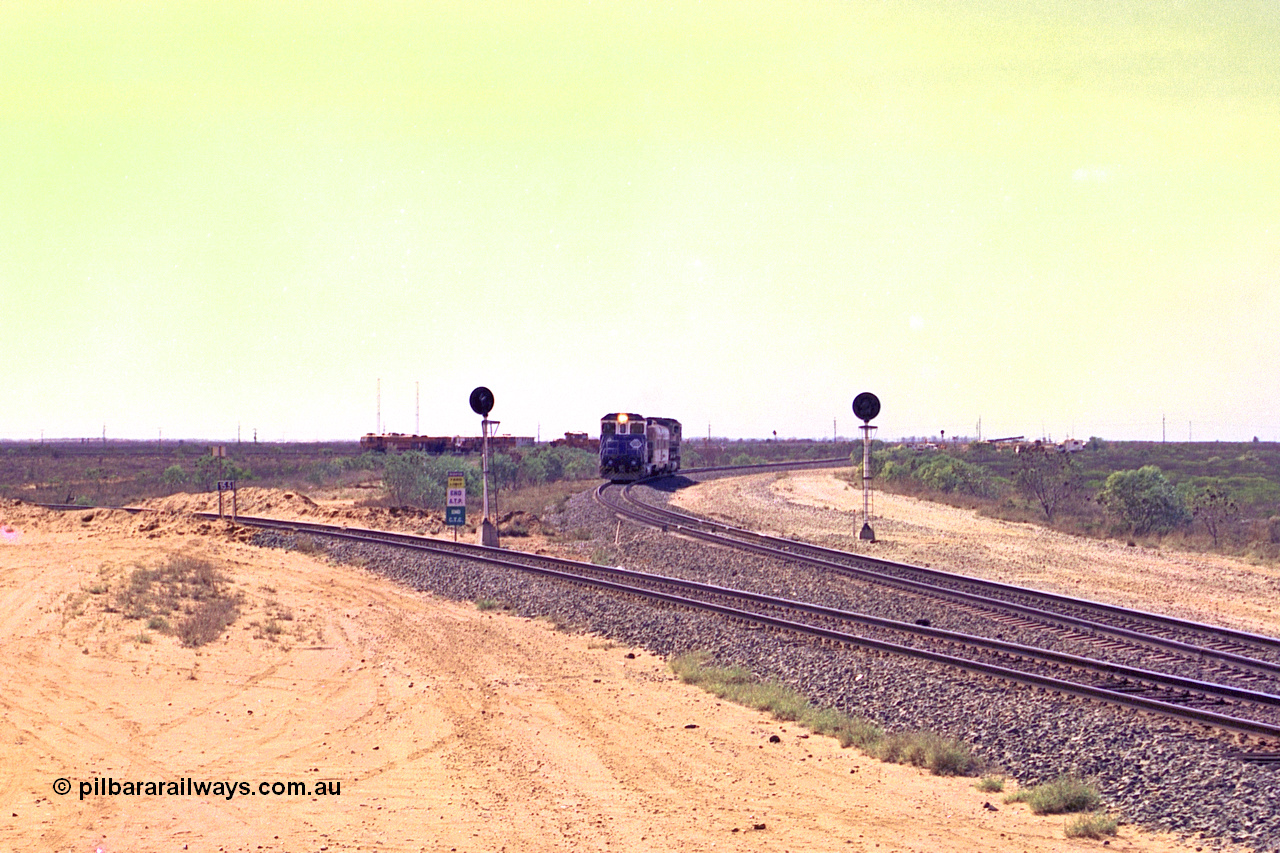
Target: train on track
{"x": 578, "y": 441}
{"x": 441, "y": 444}
{"x": 633, "y": 446}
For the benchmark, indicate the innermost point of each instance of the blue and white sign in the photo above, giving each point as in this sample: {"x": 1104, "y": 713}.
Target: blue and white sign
{"x": 455, "y": 502}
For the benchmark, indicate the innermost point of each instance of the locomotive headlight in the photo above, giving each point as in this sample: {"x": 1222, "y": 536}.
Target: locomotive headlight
{"x": 622, "y": 419}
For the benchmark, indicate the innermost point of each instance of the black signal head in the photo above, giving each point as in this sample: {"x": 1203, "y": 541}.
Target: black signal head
{"x": 482, "y": 401}
{"x": 866, "y": 406}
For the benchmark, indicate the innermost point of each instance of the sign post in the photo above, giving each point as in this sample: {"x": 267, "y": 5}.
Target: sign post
{"x": 455, "y": 508}
{"x": 227, "y": 486}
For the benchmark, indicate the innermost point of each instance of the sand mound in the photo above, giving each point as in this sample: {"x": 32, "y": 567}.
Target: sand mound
{"x": 178, "y": 514}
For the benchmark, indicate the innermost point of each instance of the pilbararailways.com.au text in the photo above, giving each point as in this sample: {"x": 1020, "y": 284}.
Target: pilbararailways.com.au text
{"x": 189, "y": 787}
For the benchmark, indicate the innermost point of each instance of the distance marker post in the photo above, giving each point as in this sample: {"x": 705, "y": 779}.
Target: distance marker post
{"x": 227, "y": 486}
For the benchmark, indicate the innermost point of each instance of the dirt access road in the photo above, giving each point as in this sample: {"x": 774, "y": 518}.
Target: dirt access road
{"x": 445, "y": 728}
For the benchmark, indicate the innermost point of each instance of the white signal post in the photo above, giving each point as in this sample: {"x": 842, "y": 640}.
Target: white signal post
{"x": 482, "y": 404}
{"x": 488, "y": 531}
{"x": 866, "y": 532}
{"x": 866, "y": 406}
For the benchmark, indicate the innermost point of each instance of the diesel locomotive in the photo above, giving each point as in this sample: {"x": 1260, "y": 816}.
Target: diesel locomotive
{"x": 633, "y": 447}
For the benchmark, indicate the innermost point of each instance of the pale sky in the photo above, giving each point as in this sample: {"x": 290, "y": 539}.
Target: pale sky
{"x": 1058, "y": 218}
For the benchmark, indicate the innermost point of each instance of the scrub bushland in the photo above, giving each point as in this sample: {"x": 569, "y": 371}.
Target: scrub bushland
{"x": 1198, "y": 496}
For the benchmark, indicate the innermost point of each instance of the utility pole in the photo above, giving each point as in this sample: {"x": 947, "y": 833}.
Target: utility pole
{"x": 417, "y": 410}
{"x": 379, "y": 421}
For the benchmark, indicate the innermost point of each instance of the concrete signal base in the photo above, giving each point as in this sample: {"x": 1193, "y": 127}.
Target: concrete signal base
{"x": 867, "y": 533}
{"x": 488, "y": 534}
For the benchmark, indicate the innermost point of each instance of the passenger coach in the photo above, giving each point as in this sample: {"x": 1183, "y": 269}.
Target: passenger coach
{"x": 633, "y": 446}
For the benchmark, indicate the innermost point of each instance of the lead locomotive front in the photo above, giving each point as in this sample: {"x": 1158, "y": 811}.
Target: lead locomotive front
{"x": 633, "y": 446}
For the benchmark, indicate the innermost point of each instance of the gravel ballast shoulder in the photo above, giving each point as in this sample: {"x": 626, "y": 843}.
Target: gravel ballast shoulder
{"x": 1154, "y": 772}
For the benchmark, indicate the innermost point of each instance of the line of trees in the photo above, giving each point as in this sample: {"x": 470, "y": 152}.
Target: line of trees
{"x": 1138, "y": 501}
{"x": 420, "y": 479}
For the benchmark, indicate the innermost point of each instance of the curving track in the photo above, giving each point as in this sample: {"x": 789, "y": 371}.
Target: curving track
{"x": 1244, "y": 700}
{"x": 1226, "y": 707}
{"x": 1237, "y": 654}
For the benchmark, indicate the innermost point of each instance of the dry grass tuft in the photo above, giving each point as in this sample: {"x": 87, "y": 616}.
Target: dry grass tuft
{"x": 942, "y": 756}
{"x": 1063, "y": 795}
{"x": 189, "y": 585}
{"x": 1093, "y": 825}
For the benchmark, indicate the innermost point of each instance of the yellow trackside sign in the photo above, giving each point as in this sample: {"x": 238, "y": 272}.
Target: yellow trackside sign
{"x": 455, "y": 508}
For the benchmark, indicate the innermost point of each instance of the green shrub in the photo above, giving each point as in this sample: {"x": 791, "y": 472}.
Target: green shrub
{"x": 1094, "y": 825}
{"x": 946, "y": 473}
{"x": 1144, "y": 500}
{"x": 990, "y": 784}
{"x": 941, "y": 756}
{"x": 747, "y": 459}
{"x": 939, "y": 472}
{"x": 420, "y": 479}
{"x": 1065, "y": 794}
{"x": 211, "y": 469}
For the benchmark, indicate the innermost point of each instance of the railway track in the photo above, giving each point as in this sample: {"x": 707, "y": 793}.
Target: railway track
{"x": 1236, "y": 708}
{"x": 1229, "y": 654}
{"x": 1225, "y": 707}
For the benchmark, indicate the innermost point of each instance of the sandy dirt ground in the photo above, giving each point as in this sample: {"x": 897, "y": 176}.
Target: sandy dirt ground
{"x": 444, "y": 728}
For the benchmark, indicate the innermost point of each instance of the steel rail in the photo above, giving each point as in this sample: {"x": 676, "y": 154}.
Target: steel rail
{"x": 1158, "y": 618}
{"x": 133, "y": 510}
{"x": 678, "y": 523}
{"x": 625, "y": 581}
